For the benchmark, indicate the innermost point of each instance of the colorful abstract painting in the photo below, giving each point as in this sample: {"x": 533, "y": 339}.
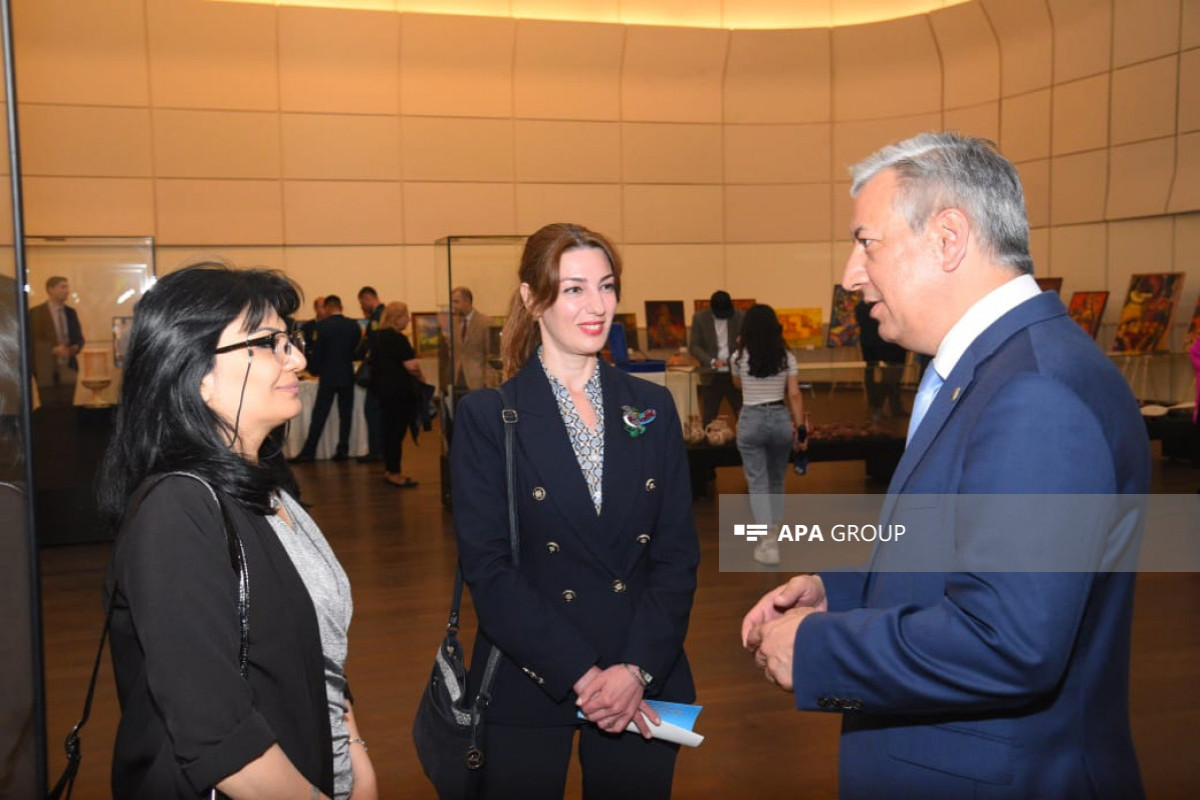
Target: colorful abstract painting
{"x": 1193, "y": 332}
{"x": 801, "y": 327}
{"x": 1087, "y": 308}
{"x": 843, "y": 325}
{"x": 1146, "y": 316}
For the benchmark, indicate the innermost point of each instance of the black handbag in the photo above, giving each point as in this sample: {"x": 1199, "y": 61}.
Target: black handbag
{"x": 237, "y": 558}
{"x": 362, "y": 375}
{"x": 448, "y": 728}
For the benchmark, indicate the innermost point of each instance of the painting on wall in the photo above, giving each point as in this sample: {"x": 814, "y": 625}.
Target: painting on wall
{"x": 741, "y": 304}
{"x": 629, "y": 321}
{"x": 664, "y": 324}
{"x": 426, "y": 333}
{"x": 801, "y": 327}
{"x": 1193, "y": 331}
{"x": 1146, "y": 316}
{"x": 1087, "y": 308}
{"x": 1050, "y": 285}
{"x": 843, "y": 325}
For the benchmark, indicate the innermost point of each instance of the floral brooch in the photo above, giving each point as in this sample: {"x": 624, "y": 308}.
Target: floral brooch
{"x": 636, "y": 421}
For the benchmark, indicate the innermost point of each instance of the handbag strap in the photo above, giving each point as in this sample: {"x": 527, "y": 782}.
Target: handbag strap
{"x": 237, "y": 555}
{"x": 509, "y": 416}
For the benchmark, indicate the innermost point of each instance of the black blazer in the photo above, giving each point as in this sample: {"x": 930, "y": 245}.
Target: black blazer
{"x": 589, "y": 590}
{"x": 188, "y": 718}
{"x": 334, "y": 344}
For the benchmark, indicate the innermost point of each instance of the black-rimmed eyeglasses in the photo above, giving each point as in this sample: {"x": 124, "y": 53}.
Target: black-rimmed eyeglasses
{"x": 281, "y": 343}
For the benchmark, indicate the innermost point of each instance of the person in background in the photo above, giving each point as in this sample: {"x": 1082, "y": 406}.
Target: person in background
{"x": 984, "y": 681}
{"x": 594, "y": 616}
{"x": 372, "y": 309}
{"x": 57, "y": 340}
{"x": 308, "y": 329}
{"x": 769, "y": 426}
{"x": 189, "y": 477}
{"x": 714, "y": 336}
{"x": 336, "y": 340}
{"x": 886, "y": 358}
{"x": 395, "y": 373}
{"x": 470, "y": 338}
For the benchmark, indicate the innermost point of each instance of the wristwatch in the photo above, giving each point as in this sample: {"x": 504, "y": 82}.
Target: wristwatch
{"x": 643, "y": 677}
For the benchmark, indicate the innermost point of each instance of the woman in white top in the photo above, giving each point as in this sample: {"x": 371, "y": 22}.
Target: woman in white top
{"x": 772, "y": 410}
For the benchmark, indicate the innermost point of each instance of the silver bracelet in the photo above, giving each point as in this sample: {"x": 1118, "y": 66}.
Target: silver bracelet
{"x": 363, "y": 742}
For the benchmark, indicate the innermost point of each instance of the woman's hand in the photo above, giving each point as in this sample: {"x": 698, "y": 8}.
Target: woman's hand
{"x": 611, "y": 700}
{"x": 366, "y": 786}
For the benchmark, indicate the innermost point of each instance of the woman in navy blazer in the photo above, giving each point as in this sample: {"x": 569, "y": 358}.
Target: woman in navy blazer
{"x": 594, "y": 617}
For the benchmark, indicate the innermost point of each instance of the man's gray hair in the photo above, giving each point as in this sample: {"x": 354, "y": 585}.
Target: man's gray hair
{"x": 936, "y": 171}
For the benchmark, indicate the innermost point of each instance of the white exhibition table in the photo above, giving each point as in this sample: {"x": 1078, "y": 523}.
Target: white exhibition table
{"x": 327, "y": 445}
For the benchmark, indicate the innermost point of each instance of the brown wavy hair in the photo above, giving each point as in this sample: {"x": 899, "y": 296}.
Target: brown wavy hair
{"x": 539, "y": 270}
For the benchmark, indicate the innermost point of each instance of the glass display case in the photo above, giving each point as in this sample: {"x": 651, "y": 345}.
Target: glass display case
{"x": 105, "y": 277}
{"x": 468, "y": 344}
{"x": 78, "y": 331}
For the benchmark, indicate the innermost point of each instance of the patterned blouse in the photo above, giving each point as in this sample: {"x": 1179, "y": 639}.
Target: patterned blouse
{"x": 587, "y": 444}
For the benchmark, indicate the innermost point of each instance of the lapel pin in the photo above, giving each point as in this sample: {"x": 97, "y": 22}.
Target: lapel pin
{"x": 954, "y": 395}
{"x": 635, "y": 421}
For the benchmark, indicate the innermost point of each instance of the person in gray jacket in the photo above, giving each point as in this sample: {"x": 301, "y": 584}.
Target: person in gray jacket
{"x": 715, "y": 331}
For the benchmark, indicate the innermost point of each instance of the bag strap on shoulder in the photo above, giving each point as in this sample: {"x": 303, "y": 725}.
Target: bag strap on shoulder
{"x": 237, "y": 557}
{"x": 509, "y": 416}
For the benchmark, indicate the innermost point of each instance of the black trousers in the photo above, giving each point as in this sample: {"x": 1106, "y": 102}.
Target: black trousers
{"x": 373, "y": 413}
{"x": 394, "y": 416}
{"x": 720, "y": 387}
{"x": 324, "y": 402}
{"x": 531, "y": 764}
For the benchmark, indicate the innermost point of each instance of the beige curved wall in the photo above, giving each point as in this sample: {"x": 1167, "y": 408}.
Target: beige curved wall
{"x": 340, "y": 144}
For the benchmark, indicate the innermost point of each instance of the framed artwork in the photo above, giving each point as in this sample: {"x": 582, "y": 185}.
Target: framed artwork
{"x": 427, "y": 332}
{"x": 664, "y": 324}
{"x": 121, "y": 328}
{"x": 1087, "y": 308}
{"x": 843, "y": 325}
{"x": 1146, "y": 316}
{"x": 801, "y": 327}
{"x": 1193, "y": 331}
{"x": 631, "y": 334}
{"x": 1050, "y": 285}
{"x": 742, "y": 304}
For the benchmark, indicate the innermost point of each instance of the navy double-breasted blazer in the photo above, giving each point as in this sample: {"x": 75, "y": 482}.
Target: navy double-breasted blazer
{"x": 590, "y": 589}
{"x": 995, "y": 684}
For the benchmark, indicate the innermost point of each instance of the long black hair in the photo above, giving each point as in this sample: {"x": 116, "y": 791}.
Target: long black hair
{"x": 762, "y": 340}
{"x": 161, "y": 423}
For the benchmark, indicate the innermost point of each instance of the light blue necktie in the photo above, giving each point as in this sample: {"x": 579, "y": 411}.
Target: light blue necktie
{"x": 928, "y": 390}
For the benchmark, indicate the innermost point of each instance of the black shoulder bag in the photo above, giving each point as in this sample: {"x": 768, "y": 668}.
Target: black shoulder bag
{"x": 237, "y": 558}
{"x": 448, "y": 729}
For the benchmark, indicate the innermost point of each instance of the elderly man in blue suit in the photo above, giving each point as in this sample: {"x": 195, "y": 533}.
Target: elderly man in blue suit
{"x": 965, "y": 683}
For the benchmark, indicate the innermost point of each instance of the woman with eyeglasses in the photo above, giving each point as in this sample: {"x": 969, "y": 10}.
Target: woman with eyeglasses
{"x": 229, "y": 611}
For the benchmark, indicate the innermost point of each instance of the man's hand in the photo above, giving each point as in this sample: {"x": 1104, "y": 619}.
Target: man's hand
{"x": 802, "y": 591}
{"x": 773, "y": 644}
{"x": 612, "y": 699}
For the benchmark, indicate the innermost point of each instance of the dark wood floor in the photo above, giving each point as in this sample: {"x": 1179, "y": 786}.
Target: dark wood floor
{"x": 397, "y": 547}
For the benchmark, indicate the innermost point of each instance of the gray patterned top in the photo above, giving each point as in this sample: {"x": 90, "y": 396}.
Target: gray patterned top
{"x": 587, "y": 444}
{"x": 329, "y": 588}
